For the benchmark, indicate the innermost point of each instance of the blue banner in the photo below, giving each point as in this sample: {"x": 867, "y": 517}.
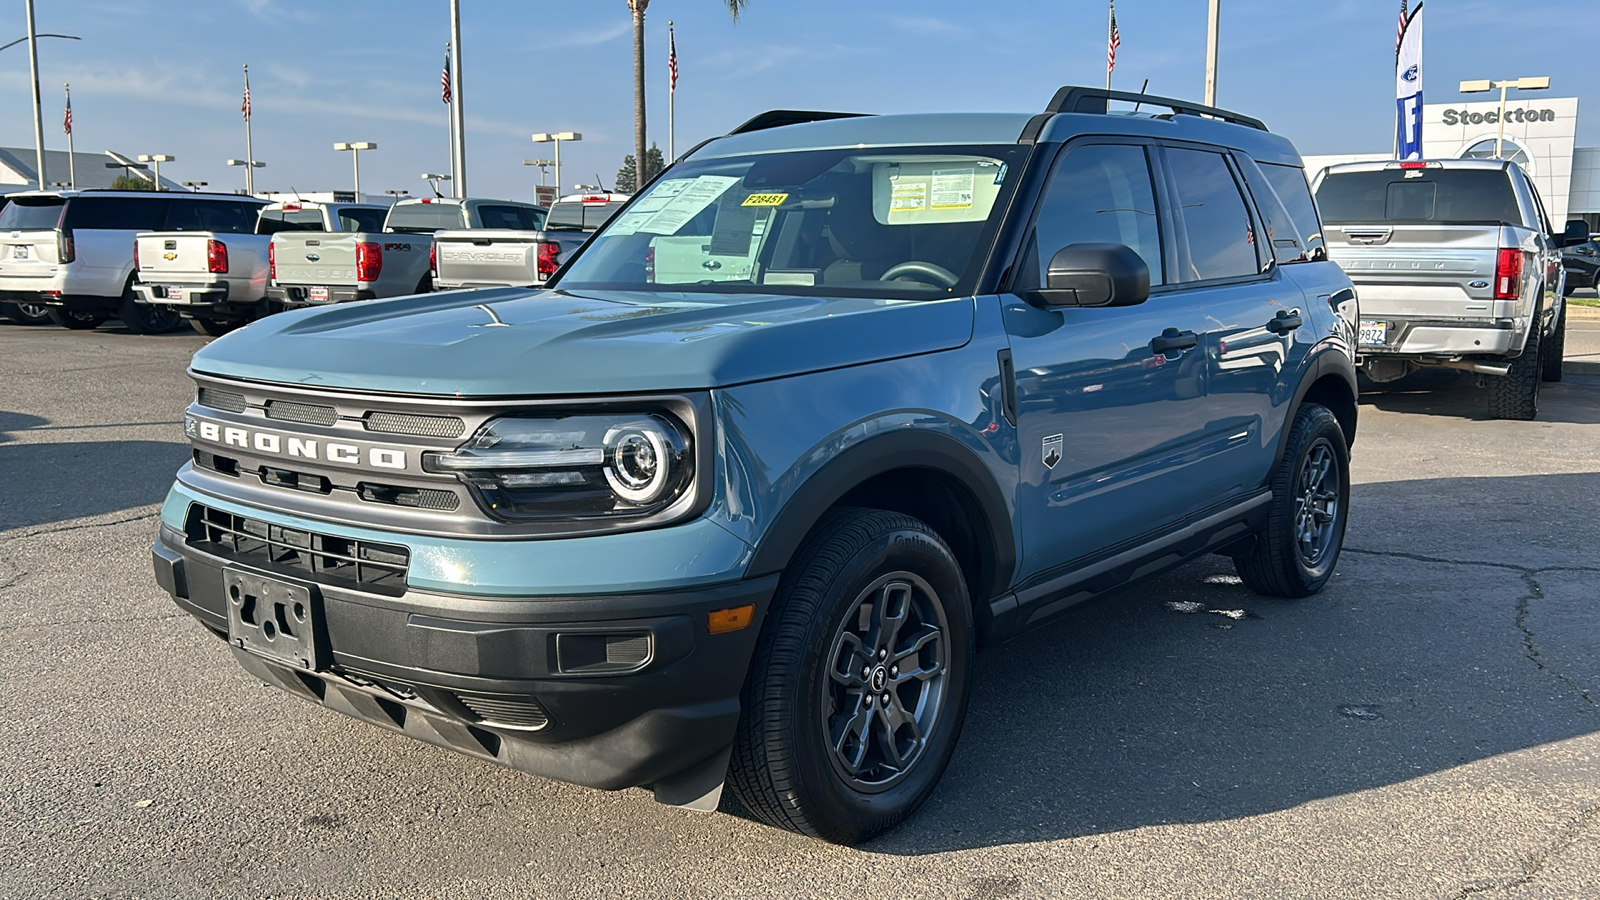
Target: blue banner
{"x": 1408, "y": 139}
{"x": 1408, "y": 89}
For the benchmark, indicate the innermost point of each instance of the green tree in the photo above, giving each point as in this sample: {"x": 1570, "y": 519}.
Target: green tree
{"x": 130, "y": 183}
{"x": 627, "y": 177}
{"x": 637, "y": 8}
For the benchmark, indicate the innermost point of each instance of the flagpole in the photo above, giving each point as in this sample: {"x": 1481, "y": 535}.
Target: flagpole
{"x": 1111, "y": 24}
{"x": 72, "y": 161}
{"x": 249, "y": 143}
{"x": 1213, "y": 30}
{"x": 672, "y": 111}
{"x": 450, "y": 116}
{"x": 458, "y": 116}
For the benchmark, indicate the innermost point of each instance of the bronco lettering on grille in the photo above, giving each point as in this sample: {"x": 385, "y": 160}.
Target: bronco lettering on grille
{"x": 304, "y": 448}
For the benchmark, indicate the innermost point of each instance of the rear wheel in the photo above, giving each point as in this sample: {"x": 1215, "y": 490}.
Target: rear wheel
{"x": 25, "y": 313}
{"x": 858, "y": 688}
{"x": 145, "y": 318}
{"x": 75, "y": 319}
{"x": 1555, "y": 351}
{"x": 1296, "y": 551}
{"x": 214, "y": 327}
{"x": 1515, "y": 395}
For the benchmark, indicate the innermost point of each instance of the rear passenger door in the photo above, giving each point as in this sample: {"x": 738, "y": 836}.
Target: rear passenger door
{"x": 1108, "y": 424}
{"x": 1227, "y": 269}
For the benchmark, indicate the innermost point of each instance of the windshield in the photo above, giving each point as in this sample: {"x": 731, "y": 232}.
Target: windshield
{"x": 900, "y": 223}
{"x": 575, "y": 216}
{"x": 1463, "y": 196}
{"x": 32, "y": 213}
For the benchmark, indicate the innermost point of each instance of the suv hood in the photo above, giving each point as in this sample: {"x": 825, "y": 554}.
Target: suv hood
{"x": 513, "y": 342}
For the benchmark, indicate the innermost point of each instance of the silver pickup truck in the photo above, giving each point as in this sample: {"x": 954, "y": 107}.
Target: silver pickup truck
{"x": 521, "y": 255}
{"x": 309, "y": 269}
{"x": 217, "y": 280}
{"x": 1456, "y": 265}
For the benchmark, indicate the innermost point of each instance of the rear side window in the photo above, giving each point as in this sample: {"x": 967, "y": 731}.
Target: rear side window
{"x": 369, "y": 220}
{"x": 1098, "y": 194}
{"x": 32, "y": 214}
{"x": 220, "y": 216}
{"x": 118, "y": 213}
{"x": 1465, "y": 196}
{"x": 575, "y": 216}
{"x": 1282, "y": 235}
{"x": 521, "y": 218}
{"x": 1290, "y": 185}
{"x": 424, "y": 218}
{"x": 1217, "y": 226}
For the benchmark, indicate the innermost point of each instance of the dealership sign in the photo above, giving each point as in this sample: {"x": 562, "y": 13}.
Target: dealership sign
{"x": 1492, "y": 117}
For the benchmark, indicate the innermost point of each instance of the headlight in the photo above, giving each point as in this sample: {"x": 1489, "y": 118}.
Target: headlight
{"x": 574, "y": 467}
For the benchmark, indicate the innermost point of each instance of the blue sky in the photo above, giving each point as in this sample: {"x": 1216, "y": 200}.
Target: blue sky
{"x": 164, "y": 77}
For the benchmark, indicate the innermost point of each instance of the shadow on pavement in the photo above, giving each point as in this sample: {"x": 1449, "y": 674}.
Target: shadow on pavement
{"x": 1444, "y": 392}
{"x": 1131, "y": 714}
{"x": 53, "y": 482}
{"x": 12, "y": 422}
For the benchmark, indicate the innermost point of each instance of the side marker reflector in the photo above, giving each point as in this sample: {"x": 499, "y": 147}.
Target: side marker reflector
{"x": 724, "y": 620}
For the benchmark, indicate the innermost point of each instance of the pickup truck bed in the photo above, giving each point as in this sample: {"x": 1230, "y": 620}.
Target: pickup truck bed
{"x": 499, "y": 257}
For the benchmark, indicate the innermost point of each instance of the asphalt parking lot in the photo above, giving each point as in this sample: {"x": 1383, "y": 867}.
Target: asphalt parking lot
{"x": 1429, "y": 726}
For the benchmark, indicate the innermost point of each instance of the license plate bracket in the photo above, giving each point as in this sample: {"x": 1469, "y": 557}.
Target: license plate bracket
{"x": 19, "y": 251}
{"x": 175, "y": 294}
{"x": 1373, "y": 332}
{"x": 317, "y": 294}
{"x": 277, "y": 619}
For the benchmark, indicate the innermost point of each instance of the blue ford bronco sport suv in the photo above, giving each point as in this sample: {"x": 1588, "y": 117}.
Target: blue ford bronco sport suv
{"x": 835, "y": 400}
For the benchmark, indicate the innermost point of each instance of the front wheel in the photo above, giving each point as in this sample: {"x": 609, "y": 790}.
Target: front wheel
{"x": 1554, "y": 352}
{"x": 858, "y": 689}
{"x": 75, "y": 319}
{"x": 1296, "y": 551}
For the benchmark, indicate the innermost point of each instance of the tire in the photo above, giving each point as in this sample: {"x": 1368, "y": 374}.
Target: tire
{"x": 804, "y": 685}
{"x": 214, "y": 327}
{"x": 1553, "y": 353}
{"x": 146, "y": 318}
{"x": 1515, "y": 395}
{"x": 1296, "y": 550}
{"x": 76, "y": 319}
{"x": 25, "y": 313}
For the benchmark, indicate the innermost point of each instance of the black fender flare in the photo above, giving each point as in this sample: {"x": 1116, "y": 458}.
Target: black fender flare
{"x": 1329, "y": 360}
{"x": 904, "y": 449}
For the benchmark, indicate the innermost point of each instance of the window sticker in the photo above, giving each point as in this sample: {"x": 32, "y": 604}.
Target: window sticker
{"x": 907, "y": 197}
{"x": 672, "y": 204}
{"x": 952, "y": 188}
{"x": 765, "y": 200}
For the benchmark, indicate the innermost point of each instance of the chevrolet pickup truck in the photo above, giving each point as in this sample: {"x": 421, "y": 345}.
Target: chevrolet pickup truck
{"x": 1456, "y": 265}
{"x": 746, "y": 525}
{"x": 309, "y": 269}
{"x": 217, "y": 280}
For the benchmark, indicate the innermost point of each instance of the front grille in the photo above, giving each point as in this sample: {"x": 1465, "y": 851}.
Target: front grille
{"x": 366, "y": 565}
{"x": 415, "y": 498}
{"x": 303, "y": 413}
{"x": 425, "y": 426}
{"x": 208, "y": 460}
{"x": 223, "y": 400}
{"x": 509, "y": 712}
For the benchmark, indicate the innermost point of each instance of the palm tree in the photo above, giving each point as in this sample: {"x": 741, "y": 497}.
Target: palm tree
{"x": 637, "y": 7}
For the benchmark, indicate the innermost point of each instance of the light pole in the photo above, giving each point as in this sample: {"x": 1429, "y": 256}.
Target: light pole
{"x": 249, "y": 164}
{"x": 1541, "y": 83}
{"x": 157, "y": 159}
{"x": 1213, "y": 33}
{"x": 433, "y": 181}
{"x": 557, "y": 138}
{"x": 195, "y": 186}
{"x": 355, "y": 154}
{"x": 458, "y": 115}
{"x": 544, "y": 167}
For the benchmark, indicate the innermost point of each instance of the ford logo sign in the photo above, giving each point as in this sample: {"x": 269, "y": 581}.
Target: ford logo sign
{"x": 312, "y": 257}
{"x": 1412, "y": 74}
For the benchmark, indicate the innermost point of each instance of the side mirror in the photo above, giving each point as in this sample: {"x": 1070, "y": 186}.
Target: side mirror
{"x": 1096, "y": 275}
{"x": 1576, "y": 232}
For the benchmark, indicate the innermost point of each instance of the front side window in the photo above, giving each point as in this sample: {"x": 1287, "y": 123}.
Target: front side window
{"x": 1098, "y": 194}
{"x": 1217, "y": 226}
{"x": 912, "y": 223}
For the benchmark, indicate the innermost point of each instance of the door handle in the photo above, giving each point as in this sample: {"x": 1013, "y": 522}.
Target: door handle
{"x": 1173, "y": 339}
{"x": 1285, "y": 322}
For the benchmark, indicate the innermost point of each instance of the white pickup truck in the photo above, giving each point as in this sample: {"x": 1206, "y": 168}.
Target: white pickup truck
{"x": 315, "y": 269}
{"x": 520, "y": 255}
{"x": 217, "y": 280}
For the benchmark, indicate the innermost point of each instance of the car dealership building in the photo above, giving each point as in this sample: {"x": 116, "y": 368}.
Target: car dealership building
{"x": 1540, "y": 135}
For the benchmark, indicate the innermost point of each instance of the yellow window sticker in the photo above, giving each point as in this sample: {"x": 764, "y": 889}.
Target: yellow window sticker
{"x": 765, "y": 200}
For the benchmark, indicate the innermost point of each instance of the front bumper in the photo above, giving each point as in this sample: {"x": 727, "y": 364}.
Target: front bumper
{"x": 297, "y": 296}
{"x": 608, "y": 691}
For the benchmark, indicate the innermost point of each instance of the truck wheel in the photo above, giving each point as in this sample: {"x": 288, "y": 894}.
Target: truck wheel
{"x": 1296, "y": 551}
{"x": 75, "y": 319}
{"x": 1516, "y": 394}
{"x": 25, "y": 313}
{"x": 1554, "y": 353}
{"x": 214, "y": 327}
{"x": 145, "y": 318}
{"x": 858, "y": 688}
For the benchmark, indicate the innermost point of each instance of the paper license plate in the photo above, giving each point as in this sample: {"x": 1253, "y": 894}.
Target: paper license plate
{"x": 19, "y": 251}
{"x": 317, "y": 294}
{"x": 175, "y": 294}
{"x": 272, "y": 618}
{"x": 1373, "y": 332}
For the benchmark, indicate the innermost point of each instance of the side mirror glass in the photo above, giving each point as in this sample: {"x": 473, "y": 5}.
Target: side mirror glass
{"x": 1096, "y": 275}
{"x": 1577, "y": 232}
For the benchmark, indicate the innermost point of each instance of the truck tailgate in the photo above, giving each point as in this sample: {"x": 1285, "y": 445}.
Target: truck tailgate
{"x": 165, "y": 253}
{"x": 487, "y": 258}
{"x": 317, "y": 257}
{"x": 1431, "y": 271}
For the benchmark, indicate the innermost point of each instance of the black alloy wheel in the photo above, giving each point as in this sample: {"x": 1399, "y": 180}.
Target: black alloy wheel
{"x": 76, "y": 319}
{"x": 1295, "y": 552}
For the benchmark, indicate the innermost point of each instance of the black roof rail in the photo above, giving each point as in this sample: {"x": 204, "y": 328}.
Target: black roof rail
{"x": 1097, "y": 101}
{"x": 777, "y": 118}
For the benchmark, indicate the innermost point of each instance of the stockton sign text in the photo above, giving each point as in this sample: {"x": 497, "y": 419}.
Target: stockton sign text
{"x": 1462, "y": 117}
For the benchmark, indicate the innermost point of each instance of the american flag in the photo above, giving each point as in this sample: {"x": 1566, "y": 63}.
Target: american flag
{"x": 1113, "y": 42}
{"x": 672, "y": 58}
{"x": 244, "y": 107}
{"x": 66, "y": 121}
{"x": 445, "y": 93}
{"x": 1400, "y": 33}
